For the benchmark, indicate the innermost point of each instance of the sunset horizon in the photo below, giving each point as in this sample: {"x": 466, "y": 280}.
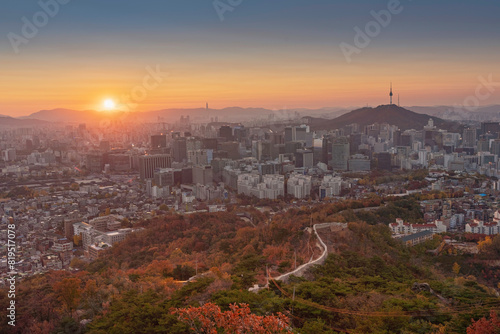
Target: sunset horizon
{"x": 312, "y": 56}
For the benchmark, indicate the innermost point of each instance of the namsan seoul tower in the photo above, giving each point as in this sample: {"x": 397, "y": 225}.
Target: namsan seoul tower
{"x": 390, "y": 94}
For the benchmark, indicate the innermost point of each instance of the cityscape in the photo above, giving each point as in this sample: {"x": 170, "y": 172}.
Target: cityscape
{"x": 197, "y": 198}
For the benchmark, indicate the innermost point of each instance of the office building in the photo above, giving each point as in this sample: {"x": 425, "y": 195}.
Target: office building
{"x": 359, "y": 163}
{"x": 202, "y": 174}
{"x": 226, "y": 132}
{"x": 384, "y": 161}
{"x": 179, "y": 149}
{"x": 304, "y": 159}
{"x": 469, "y": 137}
{"x": 163, "y": 177}
{"x": 149, "y": 163}
{"x": 340, "y": 153}
{"x": 158, "y": 141}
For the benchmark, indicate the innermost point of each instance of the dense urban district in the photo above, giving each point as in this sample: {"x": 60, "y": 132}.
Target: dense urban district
{"x": 285, "y": 224}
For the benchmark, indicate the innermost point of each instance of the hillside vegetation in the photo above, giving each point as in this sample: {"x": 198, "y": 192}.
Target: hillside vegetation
{"x": 367, "y": 284}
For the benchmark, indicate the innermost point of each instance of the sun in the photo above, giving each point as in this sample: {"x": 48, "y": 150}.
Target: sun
{"x": 109, "y": 104}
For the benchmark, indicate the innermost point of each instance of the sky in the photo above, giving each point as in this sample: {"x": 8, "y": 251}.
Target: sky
{"x": 248, "y": 53}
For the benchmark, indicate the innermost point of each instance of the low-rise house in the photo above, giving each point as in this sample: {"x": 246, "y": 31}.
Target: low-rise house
{"x": 417, "y": 238}
{"x": 400, "y": 227}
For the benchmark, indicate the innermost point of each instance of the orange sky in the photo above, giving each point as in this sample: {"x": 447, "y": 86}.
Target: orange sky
{"x": 273, "y": 81}
{"x": 282, "y": 57}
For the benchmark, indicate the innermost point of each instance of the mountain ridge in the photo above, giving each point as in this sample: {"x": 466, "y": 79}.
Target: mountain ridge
{"x": 242, "y": 114}
{"x": 390, "y": 113}
{"x": 7, "y": 121}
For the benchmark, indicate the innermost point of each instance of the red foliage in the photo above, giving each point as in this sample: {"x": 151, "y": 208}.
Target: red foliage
{"x": 485, "y": 326}
{"x": 209, "y": 319}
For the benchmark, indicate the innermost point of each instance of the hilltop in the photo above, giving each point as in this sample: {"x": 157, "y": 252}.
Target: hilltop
{"x": 391, "y": 114}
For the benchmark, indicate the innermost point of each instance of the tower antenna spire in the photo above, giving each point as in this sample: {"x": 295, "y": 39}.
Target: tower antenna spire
{"x": 390, "y": 94}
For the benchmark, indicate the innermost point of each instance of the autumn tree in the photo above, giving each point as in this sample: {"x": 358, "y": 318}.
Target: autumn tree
{"x": 483, "y": 245}
{"x": 485, "y": 326}
{"x": 77, "y": 263}
{"x": 92, "y": 297}
{"x": 68, "y": 291}
{"x": 210, "y": 319}
{"x": 456, "y": 268}
{"x": 77, "y": 240}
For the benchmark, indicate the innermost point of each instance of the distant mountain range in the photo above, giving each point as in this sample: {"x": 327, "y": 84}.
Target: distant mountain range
{"x": 322, "y": 118}
{"x": 392, "y": 114}
{"x": 65, "y": 115}
{"x": 460, "y": 113}
{"x": 10, "y": 122}
{"x": 231, "y": 114}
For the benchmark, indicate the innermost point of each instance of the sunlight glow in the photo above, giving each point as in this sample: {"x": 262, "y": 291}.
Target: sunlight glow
{"x": 109, "y": 104}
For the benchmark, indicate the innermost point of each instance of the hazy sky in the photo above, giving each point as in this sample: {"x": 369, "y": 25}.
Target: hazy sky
{"x": 274, "y": 54}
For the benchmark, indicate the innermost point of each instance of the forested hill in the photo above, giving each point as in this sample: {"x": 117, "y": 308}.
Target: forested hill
{"x": 390, "y": 114}
{"x": 367, "y": 284}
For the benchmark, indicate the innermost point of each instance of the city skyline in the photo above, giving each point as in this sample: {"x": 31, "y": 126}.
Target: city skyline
{"x": 251, "y": 54}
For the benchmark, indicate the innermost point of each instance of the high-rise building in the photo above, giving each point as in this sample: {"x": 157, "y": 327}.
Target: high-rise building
{"x": 304, "y": 158}
{"x": 495, "y": 147}
{"x": 179, "y": 149}
{"x": 406, "y": 140}
{"x": 240, "y": 133}
{"x": 149, "y": 163}
{"x": 326, "y": 149}
{"x": 299, "y": 134}
{"x": 193, "y": 143}
{"x": 9, "y": 154}
{"x": 483, "y": 145}
{"x": 95, "y": 162}
{"x": 217, "y": 168}
{"x": 202, "y": 174}
{"x": 187, "y": 175}
{"x": 396, "y": 138}
{"x": 289, "y": 134}
{"x": 384, "y": 161}
{"x": 209, "y": 143}
{"x": 200, "y": 157}
{"x": 292, "y": 146}
{"x": 262, "y": 150}
{"x": 469, "y": 137}
{"x": 119, "y": 162}
{"x": 232, "y": 148}
{"x": 226, "y": 132}
{"x": 158, "y": 141}
{"x": 275, "y": 138}
{"x": 422, "y": 157}
{"x": 354, "y": 142}
{"x": 340, "y": 153}
{"x": 164, "y": 177}
{"x": 491, "y": 128}
{"x": 359, "y": 162}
